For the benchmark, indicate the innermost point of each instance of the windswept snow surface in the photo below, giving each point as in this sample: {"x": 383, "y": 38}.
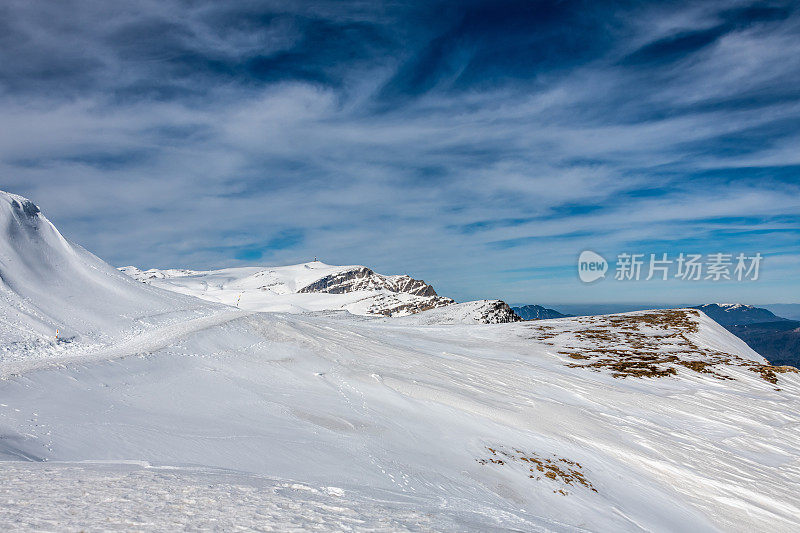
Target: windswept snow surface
{"x": 141, "y": 497}
{"x": 164, "y": 412}
{"x": 420, "y": 420}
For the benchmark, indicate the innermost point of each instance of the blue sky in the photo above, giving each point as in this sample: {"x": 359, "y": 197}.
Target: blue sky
{"x": 478, "y": 145}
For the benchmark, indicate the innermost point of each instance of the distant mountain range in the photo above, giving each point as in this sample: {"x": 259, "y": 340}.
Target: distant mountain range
{"x": 778, "y": 342}
{"x": 774, "y": 337}
{"x": 738, "y": 314}
{"x": 537, "y": 312}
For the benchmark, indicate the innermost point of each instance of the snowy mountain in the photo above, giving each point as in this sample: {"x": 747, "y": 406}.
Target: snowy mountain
{"x": 536, "y": 312}
{"x": 49, "y": 286}
{"x": 729, "y": 314}
{"x": 168, "y": 412}
{"x": 311, "y": 286}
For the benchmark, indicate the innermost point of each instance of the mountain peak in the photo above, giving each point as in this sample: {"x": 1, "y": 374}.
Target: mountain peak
{"x": 729, "y": 314}
{"x": 19, "y": 204}
{"x": 49, "y": 285}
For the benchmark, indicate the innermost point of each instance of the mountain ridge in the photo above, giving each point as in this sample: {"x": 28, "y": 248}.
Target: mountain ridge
{"x": 537, "y": 312}
{"x": 317, "y": 286}
{"x": 729, "y": 314}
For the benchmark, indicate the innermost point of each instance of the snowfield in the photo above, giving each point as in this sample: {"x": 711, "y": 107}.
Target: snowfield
{"x": 307, "y": 287}
{"x": 141, "y": 497}
{"x": 217, "y": 418}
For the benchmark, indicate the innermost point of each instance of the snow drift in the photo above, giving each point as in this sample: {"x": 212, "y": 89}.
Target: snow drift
{"x": 48, "y": 284}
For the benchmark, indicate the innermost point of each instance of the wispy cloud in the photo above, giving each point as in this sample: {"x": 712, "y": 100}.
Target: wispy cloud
{"x": 469, "y": 143}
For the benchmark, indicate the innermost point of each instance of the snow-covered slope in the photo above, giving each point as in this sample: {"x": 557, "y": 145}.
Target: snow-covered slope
{"x": 179, "y": 417}
{"x": 658, "y": 421}
{"x": 313, "y": 286}
{"x": 48, "y": 284}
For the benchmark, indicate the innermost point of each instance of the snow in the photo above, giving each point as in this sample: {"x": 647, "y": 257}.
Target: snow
{"x": 381, "y": 407}
{"x": 48, "y": 284}
{"x": 277, "y": 280}
{"x": 276, "y": 289}
{"x": 139, "y": 496}
{"x": 464, "y": 313}
{"x": 733, "y": 306}
{"x": 167, "y": 412}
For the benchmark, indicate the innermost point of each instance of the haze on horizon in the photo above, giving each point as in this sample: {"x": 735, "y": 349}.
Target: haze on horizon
{"x": 480, "y": 146}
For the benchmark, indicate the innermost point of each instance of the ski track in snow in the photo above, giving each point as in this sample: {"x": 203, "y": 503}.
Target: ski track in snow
{"x": 143, "y": 343}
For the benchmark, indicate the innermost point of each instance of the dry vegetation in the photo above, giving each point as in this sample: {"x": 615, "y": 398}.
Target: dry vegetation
{"x": 652, "y": 345}
{"x": 558, "y": 469}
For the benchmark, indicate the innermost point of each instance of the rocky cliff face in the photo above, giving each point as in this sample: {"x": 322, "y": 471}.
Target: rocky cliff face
{"x": 365, "y": 279}
{"x": 399, "y": 287}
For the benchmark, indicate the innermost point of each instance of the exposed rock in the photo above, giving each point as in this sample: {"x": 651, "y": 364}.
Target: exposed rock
{"x": 477, "y": 312}
{"x": 365, "y": 279}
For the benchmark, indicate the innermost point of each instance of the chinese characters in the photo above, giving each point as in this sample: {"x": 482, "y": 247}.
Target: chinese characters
{"x": 688, "y": 267}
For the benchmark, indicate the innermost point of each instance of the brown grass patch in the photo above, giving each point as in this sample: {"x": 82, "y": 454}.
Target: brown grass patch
{"x": 653, "y": 345}
{"x": 556, "y": 469}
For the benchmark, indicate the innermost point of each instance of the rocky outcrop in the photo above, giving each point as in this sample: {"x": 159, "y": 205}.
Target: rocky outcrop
{"x": 365, "y": 279}
{"x": 400, "y": 287}
{"x": 476, "y": 312}
{"x": 409, "y": 308}
{"x": 498, "y": 312}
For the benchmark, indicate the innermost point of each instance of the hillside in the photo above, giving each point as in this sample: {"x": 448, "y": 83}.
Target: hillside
{"x": 55, "y": 296}
{"x": 776, "y": 338}
{"x": 546, "y": 425}
{"x": 211, "y": 417}
{"x": 477, "y": 312}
